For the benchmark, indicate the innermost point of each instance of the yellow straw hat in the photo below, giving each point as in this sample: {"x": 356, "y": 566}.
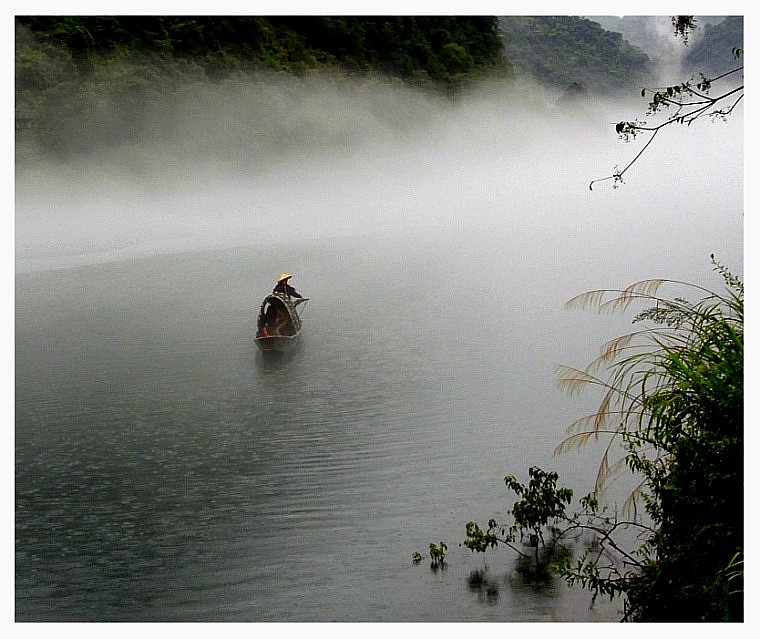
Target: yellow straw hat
{"x": 284, "y": 276}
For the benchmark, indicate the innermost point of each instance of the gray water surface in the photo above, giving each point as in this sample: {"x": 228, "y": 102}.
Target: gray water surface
{"x": 166, "y": 471}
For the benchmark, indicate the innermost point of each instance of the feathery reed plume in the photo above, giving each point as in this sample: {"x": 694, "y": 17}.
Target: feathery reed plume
{"x": 640, "y": 373}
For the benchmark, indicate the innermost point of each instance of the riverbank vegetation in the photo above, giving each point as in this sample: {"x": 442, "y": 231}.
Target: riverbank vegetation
{"x": 672, "y": 401}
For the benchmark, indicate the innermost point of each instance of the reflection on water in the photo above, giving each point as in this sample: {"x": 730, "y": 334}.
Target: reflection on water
{"x": 484, "y": 586}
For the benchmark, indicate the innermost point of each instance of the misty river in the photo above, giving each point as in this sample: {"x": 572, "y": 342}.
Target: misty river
{"x": 165, "y": 471}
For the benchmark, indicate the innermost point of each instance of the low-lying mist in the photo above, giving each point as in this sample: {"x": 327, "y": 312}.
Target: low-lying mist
{"x": 272, "y": 161}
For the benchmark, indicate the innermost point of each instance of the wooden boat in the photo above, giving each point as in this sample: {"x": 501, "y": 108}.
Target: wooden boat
{"x": 279, "y": 324}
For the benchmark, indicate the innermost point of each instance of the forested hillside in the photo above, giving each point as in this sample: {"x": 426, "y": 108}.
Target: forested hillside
{"x": 654, "y": 35}
{"x": 565, "y": 50}
{"x": 70, "y": 68}
{"x": 437, "y": 49}
{"x": 712, "y": 53}
{"x": 106, "y": 71}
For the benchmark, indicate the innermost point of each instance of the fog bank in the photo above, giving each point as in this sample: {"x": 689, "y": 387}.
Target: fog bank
{"x": 276, "y": 161}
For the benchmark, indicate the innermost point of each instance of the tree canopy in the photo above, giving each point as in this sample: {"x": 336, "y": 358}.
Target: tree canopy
{"x": 440, "y": 49}
{"x": 83, "y": 82}
{"x": 561, "y": 50}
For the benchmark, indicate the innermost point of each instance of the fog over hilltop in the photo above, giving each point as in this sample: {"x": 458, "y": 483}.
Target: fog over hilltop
{"x": 278, "y": 159}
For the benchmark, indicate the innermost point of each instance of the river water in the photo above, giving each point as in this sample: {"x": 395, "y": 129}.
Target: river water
{"x": 165, "y": 471}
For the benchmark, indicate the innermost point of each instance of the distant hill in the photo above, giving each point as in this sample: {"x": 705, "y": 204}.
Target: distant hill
{"x": 648, "y": 33}
{"x": 711, "y": 53}
{"x": 708, "y": 49}
{"x": 563, "y": 51}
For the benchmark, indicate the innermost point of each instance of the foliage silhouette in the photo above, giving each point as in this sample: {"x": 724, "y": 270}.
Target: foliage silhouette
{"x": 681, "y": 103}
{"x": 672, "y": 402}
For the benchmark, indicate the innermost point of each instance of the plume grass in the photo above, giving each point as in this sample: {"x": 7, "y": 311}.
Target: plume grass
{"x": 651, "y": 380}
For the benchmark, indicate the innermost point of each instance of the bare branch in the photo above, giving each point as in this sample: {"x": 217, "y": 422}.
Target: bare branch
{"x": 683, "y": 97}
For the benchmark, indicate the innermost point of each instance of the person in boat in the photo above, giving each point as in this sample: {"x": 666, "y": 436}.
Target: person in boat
{"x": 282, "y": 286}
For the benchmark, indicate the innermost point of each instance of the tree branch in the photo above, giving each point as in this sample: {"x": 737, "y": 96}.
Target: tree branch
{"x": 677, "y": 97}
